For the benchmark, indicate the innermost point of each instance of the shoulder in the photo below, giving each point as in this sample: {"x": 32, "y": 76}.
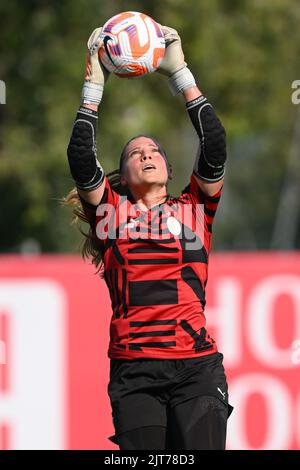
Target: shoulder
{"x": 198, "y": 191}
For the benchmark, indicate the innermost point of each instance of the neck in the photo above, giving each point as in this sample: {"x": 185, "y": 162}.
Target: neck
{"x": 149, "y": 198}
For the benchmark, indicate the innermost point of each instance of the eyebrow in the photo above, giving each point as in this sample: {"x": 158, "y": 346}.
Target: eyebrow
{"x": 138, "y": 148}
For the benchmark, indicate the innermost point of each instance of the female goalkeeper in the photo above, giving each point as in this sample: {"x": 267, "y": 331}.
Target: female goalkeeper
{"x": 168, "y": 388}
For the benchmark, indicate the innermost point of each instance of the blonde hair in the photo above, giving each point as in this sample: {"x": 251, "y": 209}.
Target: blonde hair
{"x": 91, "y": 246}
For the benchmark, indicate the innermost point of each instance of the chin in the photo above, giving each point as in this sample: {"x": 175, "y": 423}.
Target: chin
{"x": 149, "y": 177}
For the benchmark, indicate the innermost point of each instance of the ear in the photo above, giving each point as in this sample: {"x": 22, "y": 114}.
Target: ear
{"x": 170, "y": 172}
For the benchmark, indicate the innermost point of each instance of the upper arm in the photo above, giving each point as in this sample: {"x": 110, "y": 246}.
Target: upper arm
{"x": 207, "y": 196}
{"x": 99, "y": 197}
{"x": 209, "y": 189}
{"x": 104, "y": 194}
{"x": 93, "y": 196}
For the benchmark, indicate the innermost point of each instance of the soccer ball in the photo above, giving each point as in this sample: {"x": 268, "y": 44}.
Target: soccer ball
{"x": 133, "y": 44}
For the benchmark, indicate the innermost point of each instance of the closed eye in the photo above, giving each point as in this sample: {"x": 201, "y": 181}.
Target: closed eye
{"x": 134, "y": 152}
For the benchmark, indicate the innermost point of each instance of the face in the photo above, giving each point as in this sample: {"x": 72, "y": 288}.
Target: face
{"x": 144, "y": 164}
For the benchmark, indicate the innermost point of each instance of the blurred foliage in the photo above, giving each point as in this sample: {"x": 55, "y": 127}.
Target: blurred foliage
{"x": 244, "y": 56}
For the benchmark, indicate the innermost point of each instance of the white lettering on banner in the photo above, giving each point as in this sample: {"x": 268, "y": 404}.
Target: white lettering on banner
{"x": 260, "y": 323}
{"x": 2, "y": 352}
{"x": 280, "y": 413}
{"x": 226, "y": 317}
{"x": 295, "y": 356}
{"x": 296, "y": 93}
{"x": 34, "y": 406}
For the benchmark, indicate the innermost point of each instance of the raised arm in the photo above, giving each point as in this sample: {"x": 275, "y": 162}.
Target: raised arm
{"x": 209, "y": 167}
{"x": 85, "y": 168}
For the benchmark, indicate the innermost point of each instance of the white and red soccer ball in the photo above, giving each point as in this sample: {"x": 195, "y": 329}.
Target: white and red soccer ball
{"x": 133, "y": 44}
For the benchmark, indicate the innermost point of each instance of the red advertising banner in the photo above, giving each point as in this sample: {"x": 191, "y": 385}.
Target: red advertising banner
{"x": 54, "y": 332}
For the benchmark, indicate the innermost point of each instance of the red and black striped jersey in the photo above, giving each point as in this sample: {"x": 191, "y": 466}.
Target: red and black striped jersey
{"x": 156, "y": 265}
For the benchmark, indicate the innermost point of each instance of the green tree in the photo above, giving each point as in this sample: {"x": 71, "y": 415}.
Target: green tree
{"x": 244, "y": 57}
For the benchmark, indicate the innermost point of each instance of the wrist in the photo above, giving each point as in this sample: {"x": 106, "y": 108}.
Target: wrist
{"x": 88, "y": 112}
{"x": 91, "y": 93}
{"x": 181, "y": 80}
{"x": 191, "y": 93}
{"x": 93, "y": 107}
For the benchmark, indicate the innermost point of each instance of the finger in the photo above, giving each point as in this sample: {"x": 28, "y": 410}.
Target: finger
{"x": 165, "y": 30}
{"x": 88, "y": 68}
{"x": 168, "y": 30}
{"x": 94, "y": 37}
{"x": 96, "y": 46}
{"x": 91, "y": 38}
{"x": 170, "y": 35}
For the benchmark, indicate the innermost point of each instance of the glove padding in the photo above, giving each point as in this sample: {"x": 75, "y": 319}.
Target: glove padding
{"x": 173, "y": 64}
{"x": 95, "y": 75}
{"x": 174, "y": 58}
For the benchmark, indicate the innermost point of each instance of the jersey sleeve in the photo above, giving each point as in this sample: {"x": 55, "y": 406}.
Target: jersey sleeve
{"x": 89, "y": 211}
{"x": 109, "y": 197}
{"x": 197, "y": 197}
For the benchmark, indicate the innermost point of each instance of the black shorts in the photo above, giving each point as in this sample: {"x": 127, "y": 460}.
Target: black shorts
{"x": 142, "y": 390}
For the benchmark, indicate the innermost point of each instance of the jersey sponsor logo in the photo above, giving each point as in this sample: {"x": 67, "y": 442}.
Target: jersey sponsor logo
{"x": 131, "y": 224}
{"x": 174, "y": 226}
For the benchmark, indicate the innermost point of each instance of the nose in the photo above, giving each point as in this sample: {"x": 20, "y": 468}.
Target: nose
{"x": 145, "y": 155}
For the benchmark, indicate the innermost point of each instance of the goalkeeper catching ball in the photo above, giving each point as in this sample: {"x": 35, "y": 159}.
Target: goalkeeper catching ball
{"x": 167, "y": 387}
